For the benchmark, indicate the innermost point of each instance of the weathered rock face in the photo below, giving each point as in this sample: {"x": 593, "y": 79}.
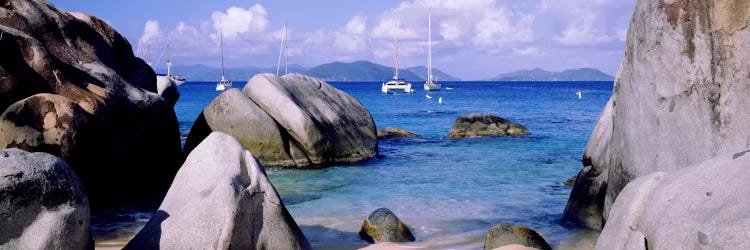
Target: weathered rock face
{"x": 70, "y": 86}
{"x": 703, "y": 206}
{"x": 509, "y": 234}
{"x": 384, "y": 226}
{"x": 221, "y": 199}
{"x": 680, "y": 98}
{"x": 483, "y": 125}
{"x": 394, "y": 132}
{"x": 42, "y": 203}
{"x": 292, "y": 121}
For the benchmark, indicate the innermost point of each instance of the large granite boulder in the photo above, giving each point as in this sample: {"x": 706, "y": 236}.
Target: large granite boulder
{"x": 390, "y": 132}
{"x": 71, "y": 86}
{"x": 292, "y": 121}
{"x": 475, "y": 125}
{"x": 42, "y": 203}
{"x": 680, "y": 98}
{"x": 384, "y": 226}
{"x": 510, "y": 235}
{"x": 703, "y": 206}
{"x": 221, "y": 198}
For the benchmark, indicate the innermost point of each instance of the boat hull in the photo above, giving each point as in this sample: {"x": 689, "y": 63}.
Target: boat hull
{"x": 396, "y": 86}
{"x": 431, "y": 87}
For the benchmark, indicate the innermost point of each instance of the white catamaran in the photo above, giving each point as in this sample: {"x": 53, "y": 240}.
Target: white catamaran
{"x": 224, "y": 83}
{"x": 431, "y": 84}
{"x": 396, "y": 83}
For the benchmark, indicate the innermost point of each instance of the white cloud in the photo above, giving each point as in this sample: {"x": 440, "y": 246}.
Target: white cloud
{"x": 528, "y": 51}
{"x": 584, "y": 33}
{"x": 352, "y": 38}
{"x": 622, "y": 34}
{"x": 151, "y": 31}
{"x": 237, "y": 21}
{"x": 357, "y": 25}
{"x": 496, "y": 30}
{"x": 585, "y": 22}
{"x": 487, "y": 25}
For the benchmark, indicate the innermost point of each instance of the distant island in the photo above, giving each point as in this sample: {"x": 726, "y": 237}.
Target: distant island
{"x": 358, "y": 71}
{"x": 582, "y": 74}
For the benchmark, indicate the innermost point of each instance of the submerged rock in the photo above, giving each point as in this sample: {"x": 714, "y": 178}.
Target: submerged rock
{"x": 292, "y": 121}
{"x": 508, "y": 235}
{"x": 703, "y": 206}
{"x": 474, "y": 125}
{"x": 680, "y": 98}
{"x": 71, "y": 86}
{"x": 42, "y": 203}
{"x": 395, "y": 132}
{"x": 384, "y": 226}
{"x": 221, "y": 198}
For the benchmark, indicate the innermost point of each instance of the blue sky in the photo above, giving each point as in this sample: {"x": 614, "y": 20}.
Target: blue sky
{"x": 472, "y": 39}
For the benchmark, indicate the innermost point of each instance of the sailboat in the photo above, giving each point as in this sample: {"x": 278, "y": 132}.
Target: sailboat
{"x": 224, "y": 83}
{"x": 396, "y": 83}
{"x": 178, "y": 80}
{"x": 431, "y": 84}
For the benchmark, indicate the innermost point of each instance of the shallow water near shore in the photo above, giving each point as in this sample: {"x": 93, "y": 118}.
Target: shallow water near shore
{"x": 449, "y": 192}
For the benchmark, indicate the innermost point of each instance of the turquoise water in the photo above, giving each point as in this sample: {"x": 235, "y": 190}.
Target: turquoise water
{"x": 449, "y": 192}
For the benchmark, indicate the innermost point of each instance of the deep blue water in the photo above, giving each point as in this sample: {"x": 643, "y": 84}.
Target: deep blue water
{"x": 448, "y": 191}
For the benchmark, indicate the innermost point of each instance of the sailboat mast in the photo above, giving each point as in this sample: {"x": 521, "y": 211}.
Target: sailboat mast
{"x": 281, "y": 50}
{"x": 395, "y": 41}
{"x": 148, "y": 50}
{"x": 169, "y": 63}
{"x": 429, "y": 50}
{"x": 286, "y": 50}
{"x": 221, "y": 47}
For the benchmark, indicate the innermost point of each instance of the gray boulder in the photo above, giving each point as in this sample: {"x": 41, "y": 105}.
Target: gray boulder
{"x": 292, "y": 121}
{"x": 509, "y": 234}
{"x": 475, "y": 125}
{"x": 703, "y": 206}
{"x": 42, "y": 203}
{"x": 390, "y": 132}
{"x": 112, "y": 128}
{"x": 384, "y": 226}
{"x": 221, "y": 198}
{"x": 680, "y": 98}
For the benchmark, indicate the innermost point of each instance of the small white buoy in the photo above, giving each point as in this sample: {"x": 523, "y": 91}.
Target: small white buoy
{"x": 579, "y": 94}
{"x": 440, "y": 100}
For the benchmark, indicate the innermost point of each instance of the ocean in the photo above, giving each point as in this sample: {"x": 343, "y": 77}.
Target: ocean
{"x": 449, "y": 192}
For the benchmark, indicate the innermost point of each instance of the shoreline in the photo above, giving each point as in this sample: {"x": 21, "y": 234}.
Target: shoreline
{"x": 584, "y": 239}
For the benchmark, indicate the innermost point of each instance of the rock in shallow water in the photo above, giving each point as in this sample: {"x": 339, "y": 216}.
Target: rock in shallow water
{"x": 292, "y": 121}
{"x": 509, "y": 234}
{"x": 384, "y": 226}
{"x": 395, "y": 132}
{"x": 475, "y": 125}
{"x": 221, "y": 198}
{"x": 42, "y": 203}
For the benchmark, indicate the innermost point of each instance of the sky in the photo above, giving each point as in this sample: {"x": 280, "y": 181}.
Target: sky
{"x": 472, "y": 39}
